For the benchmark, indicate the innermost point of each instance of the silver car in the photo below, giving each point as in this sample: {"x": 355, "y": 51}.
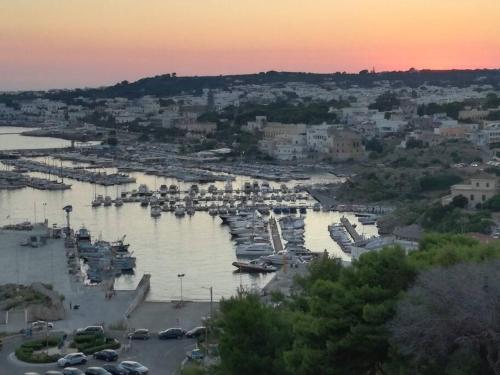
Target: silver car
{"x": 134, "y": 368}
{"x": 72, "y": 359}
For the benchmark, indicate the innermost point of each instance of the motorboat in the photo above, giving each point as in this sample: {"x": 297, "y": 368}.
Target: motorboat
{"x": 118, "y": 202}
{"x": 281, "y": 258}
{"x": 142, "y": 189}
{"x": 254, "y": 249}
{"x": 254, "y": 266}
{"x": 144, "y": 201}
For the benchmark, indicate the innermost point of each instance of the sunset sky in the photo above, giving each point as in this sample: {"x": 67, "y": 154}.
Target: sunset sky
{"x": 71, "y": 43}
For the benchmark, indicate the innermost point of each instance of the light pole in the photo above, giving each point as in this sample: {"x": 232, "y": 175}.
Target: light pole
{"x": 44, "y": 211}
{"x": 180, "y": 276}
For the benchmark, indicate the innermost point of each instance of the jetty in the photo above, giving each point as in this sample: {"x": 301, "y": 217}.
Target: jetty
{"x": 275, "y": 235}
{"x": 351, "y": 230}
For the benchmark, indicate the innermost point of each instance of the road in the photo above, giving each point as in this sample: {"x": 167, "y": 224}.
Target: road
{"x": 160, "y": 356}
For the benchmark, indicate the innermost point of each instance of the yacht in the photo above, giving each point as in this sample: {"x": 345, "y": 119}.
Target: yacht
{"x": 280, "y": 258}
{"x": 163, "y": 190}
{"x": 118, "y": 202}
{"x": 254, "y": 266}
{"x": 254, "y": 249}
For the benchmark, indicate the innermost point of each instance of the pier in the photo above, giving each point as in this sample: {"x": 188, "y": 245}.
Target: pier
{"x": 275, "y": 235}
{"x": 350, "y": 229}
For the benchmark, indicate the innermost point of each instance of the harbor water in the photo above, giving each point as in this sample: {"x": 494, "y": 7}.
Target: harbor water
{"x": 11, "y": 139}
{"x": 197, "y": 246}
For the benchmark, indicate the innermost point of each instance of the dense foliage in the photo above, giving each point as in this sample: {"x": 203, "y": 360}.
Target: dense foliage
{"x": 349, "y": 320}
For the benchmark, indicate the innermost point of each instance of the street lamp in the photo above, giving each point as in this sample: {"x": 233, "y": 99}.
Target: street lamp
{"x": 211, "y": 317}
{"x": 180, "y": 276}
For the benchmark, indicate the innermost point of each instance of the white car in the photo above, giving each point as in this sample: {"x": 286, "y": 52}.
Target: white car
{"x": 135, "y": 368}
{"x": 72, "y": 359}
{"x": 41, "y": 325}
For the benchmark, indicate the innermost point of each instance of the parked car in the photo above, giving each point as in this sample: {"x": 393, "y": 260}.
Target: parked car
{"x": 72, "y": 359}
{"x": 196, "y": 332}
{"x": 41, "y": 325}
{"x": 133, "y": 368}
{"x": 72, "y": 371}
{"x": 171, "y": 333}
{"x": 107, "y": 355}
{"x": 139, "y": 334}
{"x": 90, "y": 330}
{"x": 114, "y": 370}
{"x": 96, "y": 371}
{"x": 195, "y": 354}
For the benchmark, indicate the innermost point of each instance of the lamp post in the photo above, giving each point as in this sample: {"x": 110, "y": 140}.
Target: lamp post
{"x": 181, "y": 276}
{"x": 44, "y": 211}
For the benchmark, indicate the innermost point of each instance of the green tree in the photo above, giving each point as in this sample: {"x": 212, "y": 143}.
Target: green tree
{"x": 252, "y": 336}
{"x": 342, "y": 329}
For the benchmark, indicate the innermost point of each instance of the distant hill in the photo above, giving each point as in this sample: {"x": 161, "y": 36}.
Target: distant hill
{"x": 170, "y": 84}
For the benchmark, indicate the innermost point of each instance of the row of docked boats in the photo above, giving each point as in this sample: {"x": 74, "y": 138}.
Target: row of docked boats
{"x": 103, "y": 260}
{"x": 100, "y": 178}
{"x": 258, "y": 246}
{"x": 341, "y": 237}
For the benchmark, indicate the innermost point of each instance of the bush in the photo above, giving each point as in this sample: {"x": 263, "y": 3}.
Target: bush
{"x": 90, "y": 344}
{"x": 26, "y": 351}
{"x": 439, "y": 182}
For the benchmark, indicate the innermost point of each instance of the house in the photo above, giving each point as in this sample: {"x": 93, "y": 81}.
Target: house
{"x": 344, "y": 145}
{"x": 482, "y": 187}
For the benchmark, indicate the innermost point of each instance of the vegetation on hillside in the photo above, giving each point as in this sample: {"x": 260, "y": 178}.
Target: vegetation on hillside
{"x": 357, "y": 320}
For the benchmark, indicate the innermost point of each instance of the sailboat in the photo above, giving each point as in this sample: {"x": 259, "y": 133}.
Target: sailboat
{"x": 96, "y": 202}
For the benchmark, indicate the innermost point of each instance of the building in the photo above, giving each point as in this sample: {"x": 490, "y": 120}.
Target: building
{"x": 318, "y": 139}
{"x": 275, "y": 129}
{"x": 345, "y": 145}
{"x": 481, "y": 188}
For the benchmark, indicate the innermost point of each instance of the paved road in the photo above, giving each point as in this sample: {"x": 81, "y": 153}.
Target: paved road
{"x": 162, "y": 357}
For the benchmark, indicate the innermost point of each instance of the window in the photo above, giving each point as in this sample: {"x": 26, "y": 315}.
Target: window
{"x": 477, "y": 184}
{"x": 483, "y": 197}
{"x": 487, "y": 184}
{"x": 472, "y": 197}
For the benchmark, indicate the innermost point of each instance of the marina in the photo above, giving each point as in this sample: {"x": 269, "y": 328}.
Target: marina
{"x": 172, "y": 242}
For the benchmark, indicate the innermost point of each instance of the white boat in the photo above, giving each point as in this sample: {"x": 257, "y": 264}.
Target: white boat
{"x": 155, "y": 211}
{"x": 254, "y": 249}
{"x": 179, "y": 211}
{"x": 281, "y": 258}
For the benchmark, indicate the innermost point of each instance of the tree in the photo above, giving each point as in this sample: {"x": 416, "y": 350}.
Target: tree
{"x": 449, "y": 311}
{"x": 252, "y": 336}
{"x": 342, "y": 328}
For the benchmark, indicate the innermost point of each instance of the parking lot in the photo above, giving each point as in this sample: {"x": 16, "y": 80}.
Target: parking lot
{"x": 160, "y": 356}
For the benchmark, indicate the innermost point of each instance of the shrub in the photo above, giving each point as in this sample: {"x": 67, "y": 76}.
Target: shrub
{"x": 26, "y": 351}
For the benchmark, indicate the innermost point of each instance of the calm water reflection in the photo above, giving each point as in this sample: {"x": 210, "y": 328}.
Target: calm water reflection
{"x": 198, "y": 246}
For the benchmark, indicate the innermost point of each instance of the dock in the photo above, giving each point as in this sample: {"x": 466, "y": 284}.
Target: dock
{"x": 275, "y": 235}
{"x": 350, "y": 229}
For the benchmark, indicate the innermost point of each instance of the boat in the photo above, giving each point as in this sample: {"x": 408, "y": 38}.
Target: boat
{"x": 254, "y": 249}
{"x": 228, "y": 187}
{"x": 107, "y": 201}
{"x": 144, "y": 201}
{"x": 179, "y": 211}
{"x": 317, "y": 207}
{"x": 280, "y": 258}
{"x": 155, "y": 211}
{"x": 83, "y": 235}
{"x": 254, "y": 266}
{"x": 163, "y": 190}
{"x": 142, "y": 189}
{"x": 190, "y": 211}
{"x": 118, "y": 202}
